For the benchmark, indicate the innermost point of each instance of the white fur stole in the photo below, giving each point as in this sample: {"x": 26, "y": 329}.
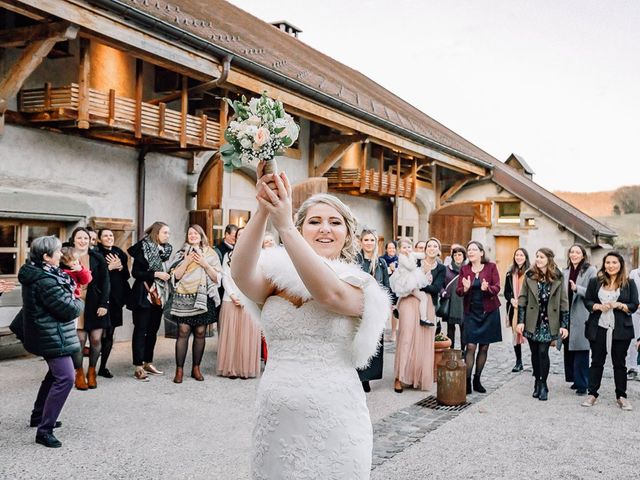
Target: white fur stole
{"x": 279, "y": 270}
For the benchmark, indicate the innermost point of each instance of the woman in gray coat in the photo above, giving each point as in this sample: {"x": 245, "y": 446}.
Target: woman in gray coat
{"x": 576, "y": 346}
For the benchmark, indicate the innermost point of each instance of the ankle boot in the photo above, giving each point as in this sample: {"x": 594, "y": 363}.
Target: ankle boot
{"x": 477, "y": 386}
{"x": 536, "y": 389}
{"x": 81, "y": 381}
{"x": 91, "y": 378}
{"x": 195, "y": 373}
{"x": 178, "y": 377}
{"x": 544, "y": 391}
{"x": 469, "y": 390}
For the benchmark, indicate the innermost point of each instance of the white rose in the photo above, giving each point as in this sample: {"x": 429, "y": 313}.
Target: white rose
{"x": 246, "y": 142}
{"x": 254, "y": 120}
{"x": 250, "y": 130}
{"x": 261, "y": 137}
{"x": 253, "y": 105}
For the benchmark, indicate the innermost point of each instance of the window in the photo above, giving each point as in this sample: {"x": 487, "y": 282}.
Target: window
{"x": 15, "y": 239}
{"x": 530, "y": 222}
{"x": 509, "y": 212}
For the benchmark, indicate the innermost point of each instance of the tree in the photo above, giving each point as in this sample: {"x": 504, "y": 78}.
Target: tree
{"x": 628, "y": 199}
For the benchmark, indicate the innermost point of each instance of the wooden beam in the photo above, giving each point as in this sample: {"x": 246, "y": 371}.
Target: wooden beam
{"x": 19, "y": 37}
{"x": 380, "y": 170}
{"x": 455, "y": 188}
{"x": 332, "y": 158}
{"x": 184, "y": 110}
{"x": 363, "y": 167}
{"x": 346, "y": 138}
{"x": 14, "y": 6}
{"x": 224, "y": 117}
{"x": 414, "y": 181}
{"x": 397, "y": 175}
{"x": 137, "y": 128}
{"x": 437, "y": 185}
{"x": 84, "y": 71}
{"x": 117, "y": 32}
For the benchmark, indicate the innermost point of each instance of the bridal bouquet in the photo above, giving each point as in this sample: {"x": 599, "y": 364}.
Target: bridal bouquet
{"x": 259, "y": 130}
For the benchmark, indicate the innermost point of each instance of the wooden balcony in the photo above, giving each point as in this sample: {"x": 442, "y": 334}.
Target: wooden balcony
{"x": 371, "y": 182}
{"x": 123, "y": 118}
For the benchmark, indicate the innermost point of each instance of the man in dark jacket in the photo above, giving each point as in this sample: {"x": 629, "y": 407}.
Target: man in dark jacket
{"x": 228, "y": 241}
{"x": 48, "y": 313}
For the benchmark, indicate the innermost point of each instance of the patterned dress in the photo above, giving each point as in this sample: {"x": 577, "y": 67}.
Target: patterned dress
{"x": 542, "y": 333}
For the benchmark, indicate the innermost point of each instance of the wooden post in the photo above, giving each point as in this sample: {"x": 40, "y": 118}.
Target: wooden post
{"x": 363, "y": 167}
{"x": 224, "y": 115}
{"x": 141, "y": 191}
{"x": 138, "y": 112}
{"x": 380, "y": 170}
{"x": 414, "y": 180}
{"x": 112, "y": 106}
{"x": 203, "y": 131}
{"x": 398, "y": 166}
{"x": 184, "y": 109}
{"x": 436, "y": 184}
{"x": 83, "y": 83}
{"x": 47, "y": 96}
{"x": 162, "y": 108}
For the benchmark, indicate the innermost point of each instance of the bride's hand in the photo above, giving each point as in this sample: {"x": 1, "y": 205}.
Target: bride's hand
{"x": 266, "y": 178}
{"x": 278, "y": 202}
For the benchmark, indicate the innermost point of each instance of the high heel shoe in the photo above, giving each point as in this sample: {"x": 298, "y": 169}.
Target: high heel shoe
{"x": 536, "y": 389}
{"x": 544, "y": 391}
{"x": 397, "y": 386}
{"x": 179, "y": 374}
{"x": 477, "y": 386}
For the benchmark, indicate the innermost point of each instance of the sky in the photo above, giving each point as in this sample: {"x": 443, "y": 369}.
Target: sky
{"x": 555, "y": 81}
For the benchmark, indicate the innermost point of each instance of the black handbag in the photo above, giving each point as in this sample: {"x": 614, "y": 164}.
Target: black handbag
{"x": 442, "y": 309}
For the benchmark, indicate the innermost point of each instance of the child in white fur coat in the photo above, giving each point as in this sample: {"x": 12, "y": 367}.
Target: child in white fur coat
{"x": 408, "y": 278}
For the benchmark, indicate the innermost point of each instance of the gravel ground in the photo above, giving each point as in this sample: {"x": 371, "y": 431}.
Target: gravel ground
{"x": 512, "y": 435}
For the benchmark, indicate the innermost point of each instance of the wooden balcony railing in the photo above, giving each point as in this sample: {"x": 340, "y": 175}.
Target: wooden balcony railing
{"x": 107, "y": 109}
{"x": 381, "y": 183}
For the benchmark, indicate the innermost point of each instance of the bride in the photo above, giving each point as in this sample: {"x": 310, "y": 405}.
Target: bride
{"x": 322, "y": 317}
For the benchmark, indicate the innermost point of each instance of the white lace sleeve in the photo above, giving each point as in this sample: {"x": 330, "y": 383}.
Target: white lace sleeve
{"x": 375, "y": 313}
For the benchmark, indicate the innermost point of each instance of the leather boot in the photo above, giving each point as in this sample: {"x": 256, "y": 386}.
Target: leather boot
{"x": 91, "y": 378}
{"x": 81, "y": 381}
{"x": 469, "y": 390}
{"x": 477, "y": 386}
{"x": 195, "y": 373}
{"x": 178, "y": 377}
{"x": 544, "y": 391}
{"x": 536, "y": 389}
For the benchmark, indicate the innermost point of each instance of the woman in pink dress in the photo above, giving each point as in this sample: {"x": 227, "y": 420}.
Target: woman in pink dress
{"x": 239, "y": 333}
{"x": 414, "y": 347}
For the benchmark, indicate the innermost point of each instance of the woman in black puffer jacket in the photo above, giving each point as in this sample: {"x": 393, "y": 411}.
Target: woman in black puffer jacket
{"x": 49, "y": 310}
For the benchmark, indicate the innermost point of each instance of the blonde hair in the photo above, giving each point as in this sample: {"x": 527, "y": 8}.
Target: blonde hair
{"x": 348, "y": 252}
{"x": 374, "y": 255}
{"x": 204, "y": 241}
{"x": 153, "y": 231}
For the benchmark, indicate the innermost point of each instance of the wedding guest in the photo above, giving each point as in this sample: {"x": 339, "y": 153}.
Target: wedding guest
{"x": 611, "y": 300}
{"x": 228, "y": 241}
{"x": 93, "y": 237}
{"x": 512, "y": 287}
{"x": 197, "y": 273}
{"x": 391, "y": 259}
{"x": 118, "y": 267}
{"x": 576, "y": 347}
{"x": 420, "y": 246}
{"x": 543, "y": 315}
{"x": 148, "y": 295}
{"x": 95, "y": 317}
{"x": 414, "y": 348}
{"x": 455, "y": 313}
{"x": 633, "y": 351}
{"x": 268, "y": 241}
{"x": 479, "y": 283}
{"x": 239, "y": 339}
{"x": 49, "y": 309}
{"x": 376, "y": 267}
{"x": 409, "y": 278}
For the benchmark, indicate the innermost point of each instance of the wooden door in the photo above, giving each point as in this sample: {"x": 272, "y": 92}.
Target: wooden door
{"x": 505, "y": 246}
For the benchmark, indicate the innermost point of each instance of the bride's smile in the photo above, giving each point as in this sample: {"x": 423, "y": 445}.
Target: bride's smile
{"x": 325, "y": 230}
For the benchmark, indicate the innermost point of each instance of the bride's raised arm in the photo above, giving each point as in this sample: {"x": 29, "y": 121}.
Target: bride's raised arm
{"x": 322, "y": 282}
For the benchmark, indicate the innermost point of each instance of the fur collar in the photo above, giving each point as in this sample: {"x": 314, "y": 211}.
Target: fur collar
{"x": 279, "y": 270}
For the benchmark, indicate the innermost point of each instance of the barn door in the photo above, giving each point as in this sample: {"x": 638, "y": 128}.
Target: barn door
{"x": 505, "y": 246}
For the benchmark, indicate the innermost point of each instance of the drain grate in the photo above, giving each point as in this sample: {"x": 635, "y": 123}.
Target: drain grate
{"x": 432, "y": 403}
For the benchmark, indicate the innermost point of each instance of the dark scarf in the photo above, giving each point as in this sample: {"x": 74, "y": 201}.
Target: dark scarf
{"x": 156, "y": 254}
{"x": 390, "y": 260}
{"x": 573, "y": 276}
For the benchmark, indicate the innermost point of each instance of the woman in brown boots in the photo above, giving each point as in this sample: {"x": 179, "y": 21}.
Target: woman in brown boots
{"x": 196, "y": 273}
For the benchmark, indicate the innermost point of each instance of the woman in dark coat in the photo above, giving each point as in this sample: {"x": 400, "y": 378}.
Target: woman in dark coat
{"x": 149, "y": 270}
{"x": 49, "y": 309}
{"x": 543, "y": 315}
{"x": 377, "y": 267}
{"x": 455, "y": 314}
{"x": 512, "y": 287}
{"x": 611, "y": 299}
{"x": 479, "y": 283}
{"x": 118, "y": 268}
{"x": 95, "y": 317}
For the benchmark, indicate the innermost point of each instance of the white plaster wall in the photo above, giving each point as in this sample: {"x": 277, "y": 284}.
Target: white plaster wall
{"x": 100, "y": 175}
{"x": 369, "y": 212}
{"x": 546, "y": 233}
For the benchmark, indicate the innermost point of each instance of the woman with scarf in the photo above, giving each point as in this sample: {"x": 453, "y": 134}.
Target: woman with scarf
{"x": 377, "y": 267}
{"x": 455, "y": 313}
{"x": 196, "y": 273}
{"x": 240, "y": 337}
{"x": 49, "y": 309}
{"x": 148, "y": 295}
{"x": 390, "y": 257}
{"x": 611, "y": 300}
{"x": 118, "y": 268}
{"x": 512, "y": 287}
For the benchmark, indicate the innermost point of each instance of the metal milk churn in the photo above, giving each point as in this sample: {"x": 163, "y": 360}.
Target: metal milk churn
{"x": 452, "y": 379}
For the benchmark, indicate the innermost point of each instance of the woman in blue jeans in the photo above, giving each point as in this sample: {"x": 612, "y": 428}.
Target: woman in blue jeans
{"x": 48, "y": 313}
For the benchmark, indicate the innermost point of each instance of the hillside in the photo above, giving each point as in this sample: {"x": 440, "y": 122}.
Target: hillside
{"x": 594, "y": 204}
{"x": 626, "y": 226}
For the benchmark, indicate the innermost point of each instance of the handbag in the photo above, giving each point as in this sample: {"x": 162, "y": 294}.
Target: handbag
{"x": 442, "y": 309}
{"x": 154, "y": 296}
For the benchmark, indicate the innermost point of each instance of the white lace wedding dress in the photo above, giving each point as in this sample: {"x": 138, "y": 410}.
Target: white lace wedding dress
{"x": 312, "y": 420}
